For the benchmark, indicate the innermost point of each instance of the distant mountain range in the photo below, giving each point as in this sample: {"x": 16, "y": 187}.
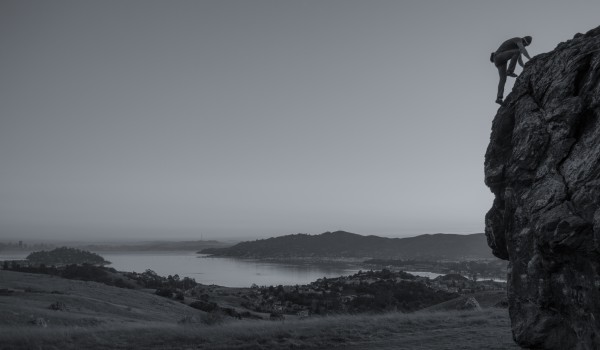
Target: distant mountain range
{"x": 341, "y": 244}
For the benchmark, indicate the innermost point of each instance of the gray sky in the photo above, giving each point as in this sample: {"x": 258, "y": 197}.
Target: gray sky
{"x": 168, "y": 119}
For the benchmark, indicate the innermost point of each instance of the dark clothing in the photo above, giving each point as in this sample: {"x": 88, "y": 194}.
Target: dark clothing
{"x": 510, "y": 44}
{"x": 510, "y": 50}
{"x": 500, "y": 60}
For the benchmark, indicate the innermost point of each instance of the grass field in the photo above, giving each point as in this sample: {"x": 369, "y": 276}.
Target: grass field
{"x": 103, "y": 317}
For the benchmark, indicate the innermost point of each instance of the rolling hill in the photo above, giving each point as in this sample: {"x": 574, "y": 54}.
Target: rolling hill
{"x": 341, "y": 244}
{"x": 99, "y": 317}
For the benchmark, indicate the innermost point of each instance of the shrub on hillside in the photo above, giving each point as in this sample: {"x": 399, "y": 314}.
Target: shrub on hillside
{"x": 86, "y": 272}
{"x": 150, "y": 279}
{"x": 164, "y": 292}
{"x": 58, "y": 306}
{"x": 204, "y": 306}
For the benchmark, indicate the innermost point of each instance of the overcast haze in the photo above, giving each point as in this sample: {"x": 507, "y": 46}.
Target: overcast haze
{"x": 158, "y": 119}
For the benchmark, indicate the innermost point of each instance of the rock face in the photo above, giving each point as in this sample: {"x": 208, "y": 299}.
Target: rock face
{"x": 543, "y": 166}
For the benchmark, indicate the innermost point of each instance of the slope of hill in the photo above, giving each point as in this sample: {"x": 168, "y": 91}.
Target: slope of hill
{"x": 96, "y": 316}
{"x": 485, "y": 299}
{"x": 25, "y": 297}
{"x": 342, "y": 244}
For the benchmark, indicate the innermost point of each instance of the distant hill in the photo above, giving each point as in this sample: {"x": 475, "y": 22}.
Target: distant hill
{"x": 65, "y": 256}
{"x": 341, "y": 244}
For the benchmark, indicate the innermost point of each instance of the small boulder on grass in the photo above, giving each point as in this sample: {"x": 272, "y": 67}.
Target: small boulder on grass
{"x": 40, "y": 322}
{"x": 470, "y": 304}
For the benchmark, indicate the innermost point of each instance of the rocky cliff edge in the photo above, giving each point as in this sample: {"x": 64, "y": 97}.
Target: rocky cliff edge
{"x": 543, "y": 166}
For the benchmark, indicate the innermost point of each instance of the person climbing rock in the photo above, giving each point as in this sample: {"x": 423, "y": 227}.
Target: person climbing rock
{"x": 510, "y": 50}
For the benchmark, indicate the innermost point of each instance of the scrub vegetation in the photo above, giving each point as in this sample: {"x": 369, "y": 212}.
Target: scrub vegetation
{"x": 65, "y": 256}
{"x": 488, "y": 329}
{"x": 49, "y": 312}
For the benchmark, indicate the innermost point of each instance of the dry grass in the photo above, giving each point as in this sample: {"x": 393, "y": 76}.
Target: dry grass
{"x": 102, "y": 317}
{"x": 488, "y": 329}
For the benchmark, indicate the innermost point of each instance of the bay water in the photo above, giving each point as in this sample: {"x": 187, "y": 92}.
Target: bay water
{"x": 228, "y": 272}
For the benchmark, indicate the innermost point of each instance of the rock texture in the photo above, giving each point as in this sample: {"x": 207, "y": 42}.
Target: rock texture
{"x": 543, "y": 166}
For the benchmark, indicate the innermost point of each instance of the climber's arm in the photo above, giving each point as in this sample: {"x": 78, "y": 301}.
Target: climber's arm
{"x": 523, "y": 50}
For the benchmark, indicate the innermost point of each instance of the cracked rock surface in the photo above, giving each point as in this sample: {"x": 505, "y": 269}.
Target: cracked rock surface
{"x": 543, "y": 166}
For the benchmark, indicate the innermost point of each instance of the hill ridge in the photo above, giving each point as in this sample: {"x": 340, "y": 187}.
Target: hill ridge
{"x": 343, "y": 244}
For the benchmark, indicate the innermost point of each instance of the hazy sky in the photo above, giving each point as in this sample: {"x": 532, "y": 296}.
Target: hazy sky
{"x": 171, "y": 119}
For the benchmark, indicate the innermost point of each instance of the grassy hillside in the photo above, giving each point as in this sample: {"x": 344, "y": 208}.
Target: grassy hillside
{"x": 345, "y": 244}
{"x": 96, "y": 316}
{"x": 29, "y": 296}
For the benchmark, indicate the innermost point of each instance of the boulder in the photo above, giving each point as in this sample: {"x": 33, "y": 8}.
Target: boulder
{"x": 470, "y": 303}
{"x": 40, "y": 322}
{"x": 543, "y": 166}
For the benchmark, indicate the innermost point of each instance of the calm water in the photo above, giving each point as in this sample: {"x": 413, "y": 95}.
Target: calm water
{"x": 430, "y": 275}
{"x": 224, "y": 271}
{"x": 220, "y": 271}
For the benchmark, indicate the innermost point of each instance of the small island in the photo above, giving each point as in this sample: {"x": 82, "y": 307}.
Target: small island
{"x": 66, "y": 256}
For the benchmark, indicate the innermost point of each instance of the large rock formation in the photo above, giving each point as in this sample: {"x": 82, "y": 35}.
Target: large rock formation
{"x": 543, "y": 166}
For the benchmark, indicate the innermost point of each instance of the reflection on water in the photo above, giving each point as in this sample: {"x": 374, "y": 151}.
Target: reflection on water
{"x": 228, "y": 272}
{"x": 225, "y": 271}
{"x": 13, "y": 255}
{"x": 430, "y": 275}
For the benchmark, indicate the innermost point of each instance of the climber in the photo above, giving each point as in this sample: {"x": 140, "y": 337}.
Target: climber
{"x": 511, "y": 50}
